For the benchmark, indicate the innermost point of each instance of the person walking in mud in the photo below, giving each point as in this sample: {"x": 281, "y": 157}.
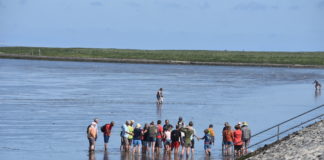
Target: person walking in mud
{"x": 159, "y": 96}
{"x": 318, "y": 86}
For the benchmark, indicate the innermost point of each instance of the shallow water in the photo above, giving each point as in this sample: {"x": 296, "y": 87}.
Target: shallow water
{"x": 47, "y": 105}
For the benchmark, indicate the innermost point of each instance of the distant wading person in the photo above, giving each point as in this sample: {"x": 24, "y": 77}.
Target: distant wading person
{"x": 318, "y": 86}
{"x": 159, "y": 96}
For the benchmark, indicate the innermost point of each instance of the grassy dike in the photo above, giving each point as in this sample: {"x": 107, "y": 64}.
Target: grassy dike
{"x": 288, "y": 59}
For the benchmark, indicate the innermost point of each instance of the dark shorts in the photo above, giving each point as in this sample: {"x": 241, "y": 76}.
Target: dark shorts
{"x": 144, "y": 143}
{"x": 246, "y": 143}
{"x": 106, "y": 139}
{"x": 151, "y": 139}
{"x": 237, "y": 147}
{"x": 207, "y": 146}
{"x": 228, "y": 143}
{"x": 92, "y": 141}
{"x": 193, "y": 143}
{"x": 158, "y": 142}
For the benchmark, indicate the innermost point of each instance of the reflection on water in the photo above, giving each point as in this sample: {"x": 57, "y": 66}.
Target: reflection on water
{"x": 159, "y": 109}
{"x": 92, "y": 156}
{"x": 317, "y": 93}
{"x": 106, "y": 156}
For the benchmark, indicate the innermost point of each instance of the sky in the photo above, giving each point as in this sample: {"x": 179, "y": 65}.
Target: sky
{"x": 243, "y": 25}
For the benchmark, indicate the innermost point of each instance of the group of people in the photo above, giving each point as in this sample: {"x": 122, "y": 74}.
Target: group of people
{"x": 152, "y": 138}
{"x": 239, "y": 138}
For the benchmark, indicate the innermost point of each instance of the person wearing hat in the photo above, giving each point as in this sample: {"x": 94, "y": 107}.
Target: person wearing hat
{"x": 92, "y": 134}
{"x": 131, "y": 132}
{"x": 246, "y": 136}
{"x": 137, "y": 138}
{"x": 124, "y": 136}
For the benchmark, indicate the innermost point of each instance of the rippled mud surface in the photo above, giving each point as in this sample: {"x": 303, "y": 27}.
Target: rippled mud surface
{"x": 47, "y": 105}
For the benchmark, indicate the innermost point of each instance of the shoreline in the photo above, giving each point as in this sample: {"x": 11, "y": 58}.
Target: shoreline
{"x": 149, "y": 61}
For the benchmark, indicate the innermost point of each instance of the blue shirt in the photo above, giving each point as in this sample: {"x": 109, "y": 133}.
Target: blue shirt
{"x": 124, "y": 130}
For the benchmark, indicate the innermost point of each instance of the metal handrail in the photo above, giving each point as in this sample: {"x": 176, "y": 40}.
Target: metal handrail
{"x": 285, "y": 131}
{"x": 279, "y": 133}
{"x": 287, "y": 120}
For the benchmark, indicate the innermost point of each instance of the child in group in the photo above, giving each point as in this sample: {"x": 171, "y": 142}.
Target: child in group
{"x": 212, "y": 134}
{"x": 167, "y": 134}
{"x": 207, "y": 142}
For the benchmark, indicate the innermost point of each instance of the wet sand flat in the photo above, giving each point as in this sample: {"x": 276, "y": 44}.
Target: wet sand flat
{"x": 47, "y": 105}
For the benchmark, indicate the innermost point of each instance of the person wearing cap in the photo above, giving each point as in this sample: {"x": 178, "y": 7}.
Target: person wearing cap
{"x": 107, "y": 133}
{"x": 92, "y": 134}
{"x": 131, "y": 132}
{"x": 124, "y": 136}
{"x": 96, "y": 120}
{"x": 137, "y": 138}
{"x": 246, "y": 137}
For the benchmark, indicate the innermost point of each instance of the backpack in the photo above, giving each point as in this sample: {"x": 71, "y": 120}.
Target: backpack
{"x": 152, "y": 131}
{"x": 208, "y": 139}
{"x": 88, "y": 128}
{"x": 103, "y": 128}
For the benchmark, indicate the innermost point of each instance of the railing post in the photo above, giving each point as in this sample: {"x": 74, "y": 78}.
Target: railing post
{"x": 278, "y": 133}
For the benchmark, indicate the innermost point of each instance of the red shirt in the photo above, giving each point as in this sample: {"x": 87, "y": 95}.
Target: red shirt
{"x": 160, "y": 131}
{"x": 238, "y": 137}
{"x": 108, "y": 130}
{"x": 228, "y": 135}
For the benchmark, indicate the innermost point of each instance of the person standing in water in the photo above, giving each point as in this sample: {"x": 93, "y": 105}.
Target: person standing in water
{"x": 317, "y": 85}
{"x": 107, "y": 132}
{"x": 92, "y": 135}
{"x": 159, "y": 96}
